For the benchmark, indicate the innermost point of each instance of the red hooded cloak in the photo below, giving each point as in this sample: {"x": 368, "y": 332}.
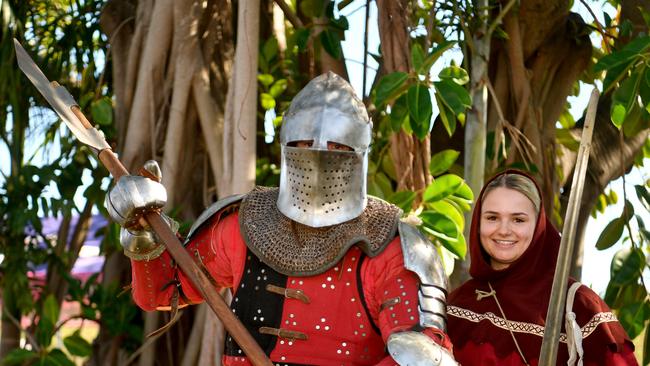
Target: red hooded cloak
{"x": 480, "y": 332}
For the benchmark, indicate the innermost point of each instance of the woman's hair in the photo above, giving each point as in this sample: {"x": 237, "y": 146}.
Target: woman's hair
{"x": 519, "y": 183}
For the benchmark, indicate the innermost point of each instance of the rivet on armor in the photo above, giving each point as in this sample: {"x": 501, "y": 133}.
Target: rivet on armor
{"x": 327, "y": 327}
{"x": 318, "y": 327}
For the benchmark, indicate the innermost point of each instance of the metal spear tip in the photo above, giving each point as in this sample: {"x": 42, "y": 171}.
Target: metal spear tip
{"x": 60, "y": 100}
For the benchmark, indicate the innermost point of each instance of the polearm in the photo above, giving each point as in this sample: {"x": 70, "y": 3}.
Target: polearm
{"x": 555, "y": 311}
{"x": 65, "y": 106}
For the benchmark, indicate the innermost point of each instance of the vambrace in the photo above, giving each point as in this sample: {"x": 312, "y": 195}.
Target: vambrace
{"x": 418, "y": 349}
{"x": 421, "y": 257}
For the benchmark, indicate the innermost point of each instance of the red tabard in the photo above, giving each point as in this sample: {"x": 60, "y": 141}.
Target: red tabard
{"x": 339, "y": 329}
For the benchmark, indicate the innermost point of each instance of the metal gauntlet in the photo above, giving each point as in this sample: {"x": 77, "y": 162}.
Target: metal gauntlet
{"x": 133, "y": 195}
{"x": 144, "y": 244}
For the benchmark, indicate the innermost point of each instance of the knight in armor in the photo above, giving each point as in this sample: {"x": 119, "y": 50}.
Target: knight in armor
{"x": 321, "y": 273}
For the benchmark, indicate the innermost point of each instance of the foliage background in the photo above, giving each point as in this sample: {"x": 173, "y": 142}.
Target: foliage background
{"x": 169, "y": 80}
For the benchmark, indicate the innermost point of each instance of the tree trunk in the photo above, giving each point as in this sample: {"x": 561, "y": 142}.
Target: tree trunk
{"x": 410, "y": 155}
{"x": 475, "y": 131}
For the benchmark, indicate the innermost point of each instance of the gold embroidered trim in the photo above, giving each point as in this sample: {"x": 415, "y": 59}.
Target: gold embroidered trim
{"x": 530, "y": 328}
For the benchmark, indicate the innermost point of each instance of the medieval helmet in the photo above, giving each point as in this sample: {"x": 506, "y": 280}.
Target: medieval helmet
{"x": 321, "y": 187}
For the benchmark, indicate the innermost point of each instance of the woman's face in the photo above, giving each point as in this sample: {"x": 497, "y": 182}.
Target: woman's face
{"x": 508, "y": 220}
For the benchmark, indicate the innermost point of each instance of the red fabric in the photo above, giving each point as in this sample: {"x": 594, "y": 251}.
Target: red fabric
{"x": 523, "y": 291}
{"x": 484, "y": 354}
{"x": 339, "y": 328}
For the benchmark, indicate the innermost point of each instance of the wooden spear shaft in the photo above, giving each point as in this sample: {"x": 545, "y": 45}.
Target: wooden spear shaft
{"x": 555, "y": 312}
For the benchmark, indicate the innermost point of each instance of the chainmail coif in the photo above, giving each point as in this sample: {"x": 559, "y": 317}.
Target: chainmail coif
{"x": 294, "y": 249}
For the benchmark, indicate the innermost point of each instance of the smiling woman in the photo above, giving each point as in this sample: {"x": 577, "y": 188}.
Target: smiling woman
{"x": 498, "y": 317}
{"x": 509, "y": 211}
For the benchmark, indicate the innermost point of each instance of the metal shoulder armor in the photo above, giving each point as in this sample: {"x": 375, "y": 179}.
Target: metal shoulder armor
{"x": 421, "y": 257}
{"x": 210, "y": 211}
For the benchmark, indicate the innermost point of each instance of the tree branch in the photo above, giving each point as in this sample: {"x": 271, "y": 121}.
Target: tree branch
{"x": 291, "y": 16}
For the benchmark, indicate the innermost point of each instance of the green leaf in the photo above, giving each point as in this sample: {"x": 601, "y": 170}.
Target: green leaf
{"x": 101, "y": 111}
{"x": 302, "y": 38}
{"x": 435, "y": 54}
{"x": 439, "y": 225}
{"x": 457, "y": 247}
{"x": 442, "y": 187}
{"x": 278, "y": 88}
{"x": 399, "y": 113}
{"x": 77, "y": 346}
{"x": 442, "y": 161}
{"x": 464, "y": 192}
{"x": 633, "y": 317}
{"x": 630, "y": 51}
{"x": 265, "y": 79}
{"x": 449, "y": 210}
{"x": 453, "y": 95}
{"x": 267, "y": 101}
{"x": 331, "y": 43}
{"x": 565, "y": 138}
{"x": 618, "y": 115}
{"x": 417, "y": 58}
{"x": 312, "y": 8}
{"x": 626, "y": 266}
{"x": 57, "y": 358}
{"x": 454, "y": 73}
{"x": 447, "y": 116}
{"x": 610, "y": 234}
{"x": 389, "y": 85}
{"x": 19, "y": 357}
{"x": 50, "y": 310}
{"x": 420, "y": 109}
{"x": 643, "y": 195}
{"x": 403, "y": 200}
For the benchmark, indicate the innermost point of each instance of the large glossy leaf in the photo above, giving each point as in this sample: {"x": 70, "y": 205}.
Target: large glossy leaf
{"x": 435, "y": 54}
{"x": 447, "y": 116}
{"x": 454, "y": 73}
{"x": 610, "y": 234}
{"x": 624, "y": 97}
{"x": 19, "y": 357}
{"x": 417, "y": 58}
{"x": 464, "y": 192}
{"x": 442, "y": 161}
{"x": 633, "y": 317}
{"x": 630, "y": 51}
{"x": 454, "y": 96}
{"x": 403, "y": 200}
{"x": 643, "y": 194}
{"x": 331, "y": 42}
{"x": 439, "y": 225}
{"x": 457, "y": 247}
{"x": 442, "y": 187}
{"x": 627, "y": 265}
{"x": 399, "y": 113}
{"x": 451, "y": 211}
{"x": 57, "y": 358}
{"x": 389, "y": 85}
{"x": 77, "y": 346}
{"x": 420, "y": 109}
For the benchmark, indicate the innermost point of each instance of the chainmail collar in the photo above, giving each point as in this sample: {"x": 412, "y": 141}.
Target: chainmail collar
{"x": 294, "y": 249}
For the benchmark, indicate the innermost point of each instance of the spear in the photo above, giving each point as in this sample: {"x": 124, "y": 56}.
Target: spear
{"x": 555, "y": 314}
{"x": 65, "y": 106}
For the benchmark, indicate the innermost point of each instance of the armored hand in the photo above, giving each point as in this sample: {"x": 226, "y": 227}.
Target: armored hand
{"x": 126, "y": 203}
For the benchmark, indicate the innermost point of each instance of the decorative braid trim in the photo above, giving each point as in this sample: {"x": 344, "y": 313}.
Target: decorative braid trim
{"x": 529, "y": 328}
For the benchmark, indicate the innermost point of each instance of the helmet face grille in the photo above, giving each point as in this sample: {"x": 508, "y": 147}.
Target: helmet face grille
{"x": 321, "y": 183}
